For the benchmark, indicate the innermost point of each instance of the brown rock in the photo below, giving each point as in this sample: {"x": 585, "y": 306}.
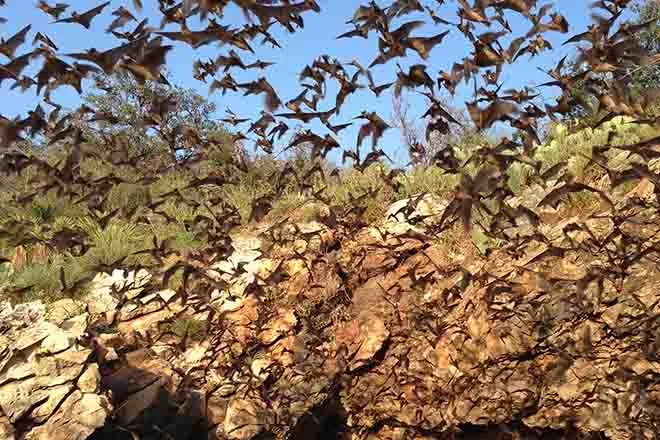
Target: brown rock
{"x": 279, "y": 325}
{"x": 146, "y": 361}
{"x": 78, "y": 417}
{"x": 244, "y": 419}
{"x": 39, "y": 253}
{"x": 56, "y": 342}
{"x": 132, "y": 310}
{"x": 364, "y": 338}
{"x": 216, "y": 405}
{"x": 90, "y": 380}
{"x": 64, "y": 309}
{"x": 34, "y": 335}
{"x": 142, "y": 324}
{"x": 40, "y": 383}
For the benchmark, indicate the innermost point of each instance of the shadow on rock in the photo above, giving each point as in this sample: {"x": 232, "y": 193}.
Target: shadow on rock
{"x": 146, "y": 406}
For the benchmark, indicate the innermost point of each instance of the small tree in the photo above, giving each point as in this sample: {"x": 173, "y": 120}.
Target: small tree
{"x": 185, "y": 127}
{"x": 412, "y": 134}
{"x": 649, "y": 75}
{"x": 637, "y": 77}
{"x": 462, "y": 138}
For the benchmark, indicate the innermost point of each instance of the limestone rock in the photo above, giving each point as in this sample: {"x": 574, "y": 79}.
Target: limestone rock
{"x": 135, "y": 405}
{"x": 224, "y": 267}
{"x": 90, "y": 380}
{"x": 427, "y": 209}
{"x": 167, "y": 294}
{"x": 41, "y": 383}
{"x": 244, "y": 419}
{"x": 35, "y": 334}
{"x": 76, "y": 326}
{"x": 79, "y": 416}
{"x": 245, "y": 242}
{"x": 133, "y": 310}
{"x": 56, "y": 342}
{"x": 243, "y": 257}
{"x": 111, "y": 355}
{"x": 193, "y": 356}
{"x": 216, "y": 406}
{"x": 143, "y": 323}
{"x": 64, "y": 309}
{"x": 645, "y": 190}
{"x": 279, "y": 325}
{"x": 21, "y": 315}
{"x": 48, "y": 400}
{"x": 393, "y": 336}
{"x": 310, "y": 228}
{"x": 263, "y": 268}
{"x": 101, "y": 298}
{"x": 241, "y": 284}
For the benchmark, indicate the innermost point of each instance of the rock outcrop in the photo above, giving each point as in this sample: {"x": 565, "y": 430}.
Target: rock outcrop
{"x": 380, "y": 334}
{"x": 49, "y": 383}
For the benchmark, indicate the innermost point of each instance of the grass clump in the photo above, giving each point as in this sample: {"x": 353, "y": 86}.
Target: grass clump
{"x": 41, "y": 281}
{"x": 118, "y": 240}
{"x": 296, "y": 207}
{"x": 432, "y": 179}
{"x": 353, "y": 183}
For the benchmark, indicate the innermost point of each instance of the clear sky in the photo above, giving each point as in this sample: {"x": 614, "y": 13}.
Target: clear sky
{"x": 318, "y": 37}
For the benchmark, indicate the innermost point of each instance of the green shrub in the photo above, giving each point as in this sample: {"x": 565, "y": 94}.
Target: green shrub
{"x": 43, "y": 279}
{"x": 119, "y": 239}
{"x": 576, "y": 147}
{"x": 185, "y": 240}
{"x": 355, "y": 183}
{"x": 426, "y": 180}
{"x": 127, "y": 196}
{"x": 242, "y": 196}
{"x": 296, "y": 207}
{"x": 519, "y": 174}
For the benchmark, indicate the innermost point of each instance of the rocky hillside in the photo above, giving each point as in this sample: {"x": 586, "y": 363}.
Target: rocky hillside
{"x": 392, "y": 332}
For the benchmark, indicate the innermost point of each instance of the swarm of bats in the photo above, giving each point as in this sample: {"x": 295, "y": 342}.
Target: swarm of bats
{"x": 608, "y": 51}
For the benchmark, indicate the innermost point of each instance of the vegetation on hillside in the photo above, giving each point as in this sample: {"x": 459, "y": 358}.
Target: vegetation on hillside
{"x": 163, "y": 142}
{"x": 515, "y": 287}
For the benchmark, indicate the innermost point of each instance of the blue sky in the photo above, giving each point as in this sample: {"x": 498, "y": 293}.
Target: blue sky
{"x": 300, "y": 48}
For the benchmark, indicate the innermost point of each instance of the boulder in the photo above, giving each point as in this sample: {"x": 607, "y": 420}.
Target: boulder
{"x": 278, "y": 325}
{"x": 101, "y": 298}
{"x": 90, "y": 380}
{"x": 21, "y": 315}
{"x": 56, "y": 342}
{"x": 393, "y": 336}
{"x": 43, "y": 371}
{"x": 244, "y": 419}
{"x": 64, "y": 309}
{"x": 34, "y": 335}
{"x": 78, "y": 417}
{"x": 363, "y": 337}
{"x": 39, "y": 384}
{"x": 426, "y": 208}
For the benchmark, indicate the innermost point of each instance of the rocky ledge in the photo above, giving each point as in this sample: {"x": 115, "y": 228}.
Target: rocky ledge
{"x": 387, "y": 334}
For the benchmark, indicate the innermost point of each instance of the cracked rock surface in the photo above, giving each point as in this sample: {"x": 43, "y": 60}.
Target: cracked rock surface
{"x": 380, "y": 334}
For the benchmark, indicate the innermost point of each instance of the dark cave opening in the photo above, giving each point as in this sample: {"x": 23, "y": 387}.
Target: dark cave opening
{"x": 326, "y": 421}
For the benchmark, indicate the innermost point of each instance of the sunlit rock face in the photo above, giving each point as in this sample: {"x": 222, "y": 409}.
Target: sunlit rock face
{"x": 386, "y": 336}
